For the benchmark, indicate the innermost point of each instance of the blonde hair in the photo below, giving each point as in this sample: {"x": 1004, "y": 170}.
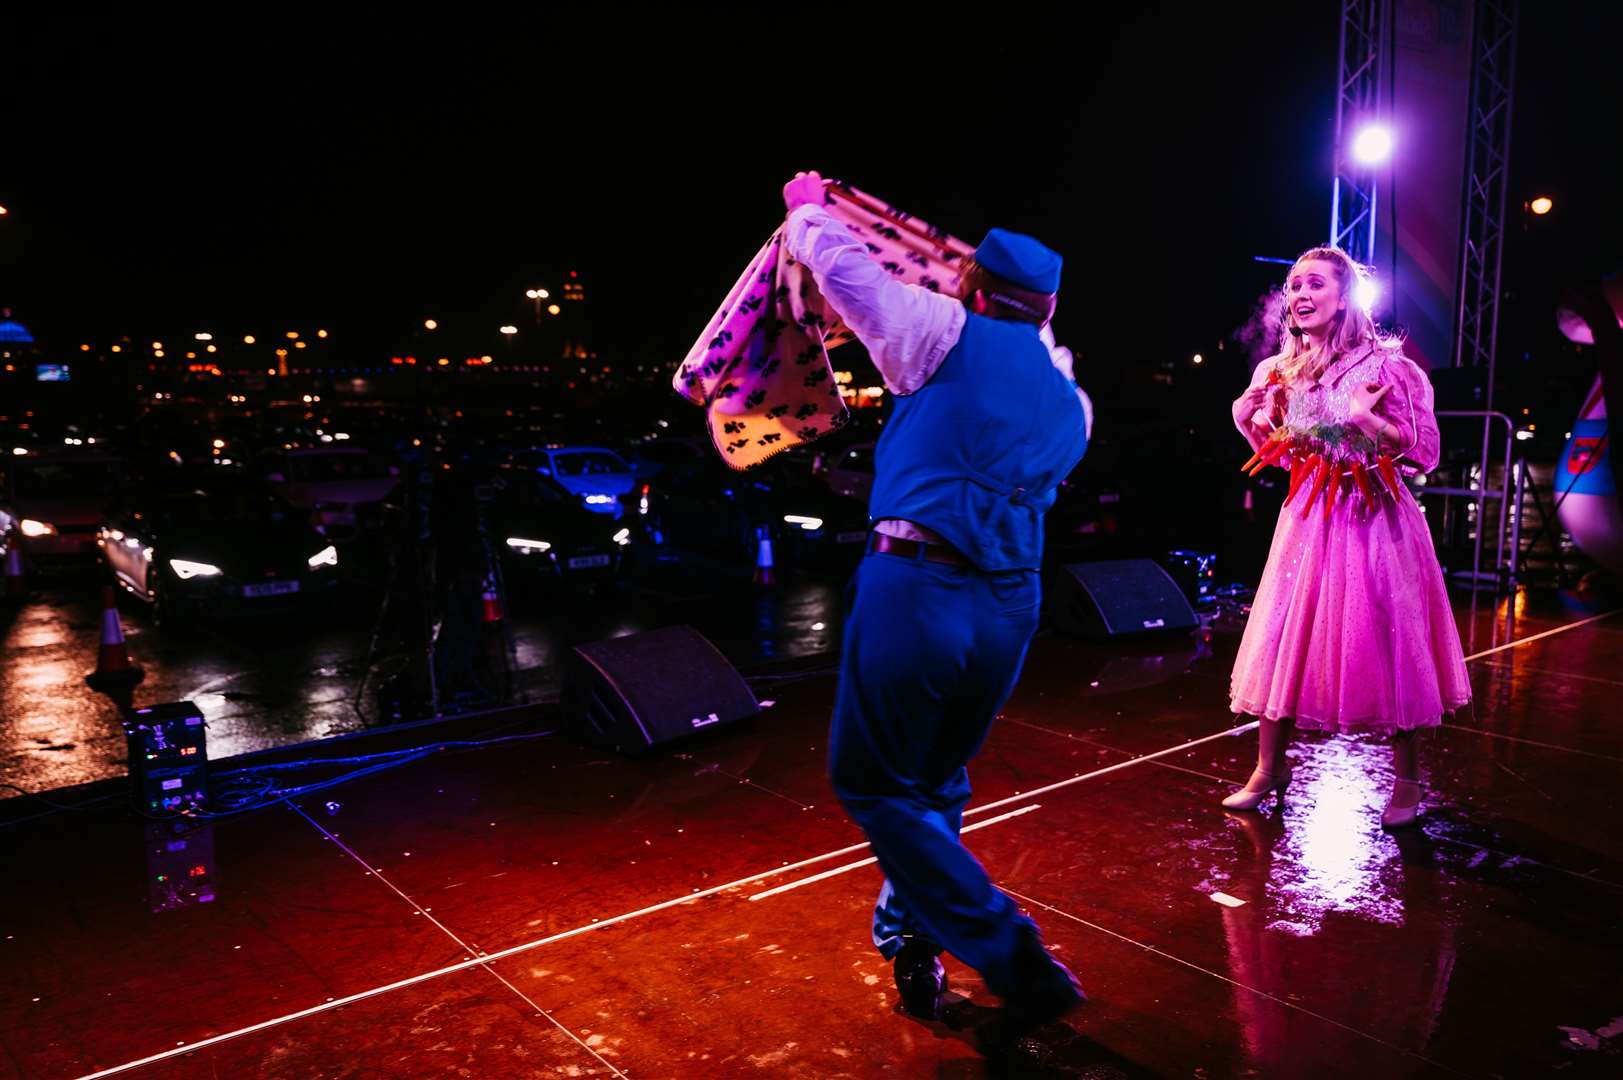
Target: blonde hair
{"x": 1353, "y": 330}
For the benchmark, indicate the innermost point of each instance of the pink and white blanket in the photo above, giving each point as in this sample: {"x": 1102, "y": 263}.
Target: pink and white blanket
{"x": 761, "y": 369}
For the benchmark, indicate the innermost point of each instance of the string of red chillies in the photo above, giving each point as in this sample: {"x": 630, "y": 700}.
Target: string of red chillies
{"x": 1326, "y": 475}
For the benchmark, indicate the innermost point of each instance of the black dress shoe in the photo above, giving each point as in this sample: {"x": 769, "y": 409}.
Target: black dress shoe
{"x": 1047, "y": 991}
{"x": 920, "y": 979}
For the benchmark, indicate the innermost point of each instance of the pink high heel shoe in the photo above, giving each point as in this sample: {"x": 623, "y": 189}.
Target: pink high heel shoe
{"x": 1250, "y": 797}
{"x": 1397, "y": 817}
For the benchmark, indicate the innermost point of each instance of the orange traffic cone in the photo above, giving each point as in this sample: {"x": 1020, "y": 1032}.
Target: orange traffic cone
{"x": 16, "y": 583}
{"x": 492, "y": 601}
{"x": 113, "y": 666}
{"x": 764, "y": 574}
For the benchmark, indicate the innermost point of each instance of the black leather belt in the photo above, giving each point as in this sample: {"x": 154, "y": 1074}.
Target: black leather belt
{"x": 915, "y": 549}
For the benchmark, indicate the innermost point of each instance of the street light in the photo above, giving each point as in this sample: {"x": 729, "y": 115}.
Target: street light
{"x": 509, "y": 330}
{"x": 553, "y": 309}
{"x": 430, "y": 324}
{"x": 1541, "y": 205}
{"x": 537, "y": 295}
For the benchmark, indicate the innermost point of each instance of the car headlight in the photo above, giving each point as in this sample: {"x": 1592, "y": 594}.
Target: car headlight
{"x": 328, "y": 556}
{"x": 37, "y": 529}
{"x": 810, "y": 524}
{"x": 186, "y": 569}
{"x": 623, "y": 537}
{"x": 527, "y": 547}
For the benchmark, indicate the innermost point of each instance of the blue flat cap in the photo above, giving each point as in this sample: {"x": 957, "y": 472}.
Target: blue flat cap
{"x": 1020, "y": 260}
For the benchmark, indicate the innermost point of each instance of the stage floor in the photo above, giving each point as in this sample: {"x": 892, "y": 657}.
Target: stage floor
{"x": 538, "y": 909}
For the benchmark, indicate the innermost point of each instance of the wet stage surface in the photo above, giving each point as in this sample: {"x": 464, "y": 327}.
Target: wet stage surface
{"x": 535, "y": 908}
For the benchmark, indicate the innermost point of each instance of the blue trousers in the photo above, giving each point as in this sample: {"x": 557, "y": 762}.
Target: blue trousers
{"x": 931, "y": 654}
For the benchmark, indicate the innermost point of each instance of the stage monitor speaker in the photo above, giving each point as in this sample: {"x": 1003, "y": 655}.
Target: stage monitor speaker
{"x": 635, "y": 693}
{"x": 1117, "y": 598}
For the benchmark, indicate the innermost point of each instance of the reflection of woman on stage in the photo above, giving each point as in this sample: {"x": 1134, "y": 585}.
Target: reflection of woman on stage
{"x": 1351, "y": 628}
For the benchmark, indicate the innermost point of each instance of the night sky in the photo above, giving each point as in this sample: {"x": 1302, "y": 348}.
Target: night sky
{"x": 284, "y": 170}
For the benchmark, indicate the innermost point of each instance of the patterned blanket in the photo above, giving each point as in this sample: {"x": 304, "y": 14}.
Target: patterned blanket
{"x": 761, "y": 369}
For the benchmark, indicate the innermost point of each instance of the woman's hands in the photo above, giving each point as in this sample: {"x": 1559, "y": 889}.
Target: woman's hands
{"x": 1361, "y": 409}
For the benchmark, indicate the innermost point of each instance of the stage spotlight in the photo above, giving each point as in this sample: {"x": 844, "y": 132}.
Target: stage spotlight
{"x": 1373, "y": 145}
{"x": 1365, "y": 293}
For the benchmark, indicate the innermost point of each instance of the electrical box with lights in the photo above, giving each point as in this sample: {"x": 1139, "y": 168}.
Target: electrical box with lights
{"x": 1195, "y": 572}
{"x": 168, "y": 757}
{"x": 180, "y": 864}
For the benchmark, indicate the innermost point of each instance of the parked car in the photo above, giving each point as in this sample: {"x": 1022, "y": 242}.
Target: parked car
{"x": 544, "y": 531}
{"x": 708, "y": 509}
{"x": 849, "y": 472}
{"x": 221, "y": 542}
{"x": 53, "y": 502}
{"x": 600, "y": 478}
{"x": 343, "y": 488}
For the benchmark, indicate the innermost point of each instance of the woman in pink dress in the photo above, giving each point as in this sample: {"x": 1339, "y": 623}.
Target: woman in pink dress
{"x": 1351, "y": 628}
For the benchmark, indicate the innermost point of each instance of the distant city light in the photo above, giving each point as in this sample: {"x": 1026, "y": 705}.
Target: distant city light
{"x": 553, "y": 309}
{"x": 1199, "y": 359}
{"x": 203, "y": 336}
{"x": 293, "y": 335}
{"x": 509, "y": 330}
{"x": 247, "y": 339}
{"x": 1372, "y": 145}
{"x": 321, "y": 333}
{"x": 430, "y": 324}
{"x": 1541, "y": 205}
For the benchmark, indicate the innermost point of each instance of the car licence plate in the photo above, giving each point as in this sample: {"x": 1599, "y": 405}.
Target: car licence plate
{"x": 271, "y": 588}
{"x": 586, "y": 561}
{"x": 850, "y": 537}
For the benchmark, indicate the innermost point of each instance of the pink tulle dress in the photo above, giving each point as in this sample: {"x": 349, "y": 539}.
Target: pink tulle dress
{"x": 1351, "y": 628}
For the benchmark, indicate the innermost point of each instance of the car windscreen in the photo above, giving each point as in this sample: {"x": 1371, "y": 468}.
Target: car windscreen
{"x": 66, "y": 479}
{"x": 588, "y": 463}
{"x": 321, "y": 468}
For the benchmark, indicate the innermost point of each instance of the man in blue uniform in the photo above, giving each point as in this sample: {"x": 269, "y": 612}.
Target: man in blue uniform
{"x": 986, "y": 424}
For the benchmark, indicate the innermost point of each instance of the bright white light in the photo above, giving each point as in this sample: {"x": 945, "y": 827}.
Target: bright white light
{"x": 203, "y": 336}
{"x": 1365, "y": 293}
{"x": 184, "y": 569}
{"x": 340, "y": 435}
{"x": 328, "y": 556}
{"x": 509, "y": 330}
{"x": 36, "y": 529}
{"x": 20, "y": 451}
{"x": 623, "y": 537}
{"x": 1373, "y": 145}
{"x": 810, "y": 524}
{"x": 599, "y": 500}
{"x": 219, "y": 444}
{"x": 1523, "y": 436}
{"x": 524, "y": 547}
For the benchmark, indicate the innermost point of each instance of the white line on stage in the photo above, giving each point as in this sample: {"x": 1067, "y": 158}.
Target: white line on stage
{"x": 699, "y": 894}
